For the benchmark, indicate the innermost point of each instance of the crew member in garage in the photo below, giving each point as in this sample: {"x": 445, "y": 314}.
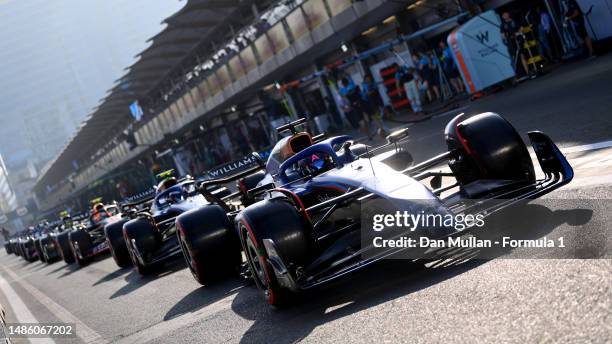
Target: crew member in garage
{"x": 374, "y": 104}
{"x": 513, "y": 37}
{"x": 575, "y": 16}
{"x": 406, "y": 77}
{"x": 355, "y": 108}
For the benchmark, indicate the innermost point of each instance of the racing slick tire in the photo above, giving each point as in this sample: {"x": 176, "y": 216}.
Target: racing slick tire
{"x": 19, "y": 247}
{"x": 116, "y": 243}
{"x": 81, "y": 246}
{"x": 209, "y": 243}
{"x": 45, "y": 243}
{"x": 279, "y": 221}
{"x": 29, "y": 250}
{"x": 39, "y": 251}
{"x": 63, "y": 243}
{"x": 142, "y": 239}
{"x": 486, "y": 146}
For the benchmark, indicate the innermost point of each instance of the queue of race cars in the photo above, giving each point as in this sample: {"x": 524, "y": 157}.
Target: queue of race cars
{"x": 294, "y": 221}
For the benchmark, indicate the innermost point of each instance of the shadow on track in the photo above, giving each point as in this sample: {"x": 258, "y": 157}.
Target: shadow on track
{"x": 62, "y": 265}
{"x": 135, "y": 280}
{"x": 363, "y": 290}
{"x": 39, "y": 266}
{"x": 70, "y": 269}
{"x": 204, "y": 296}
{"x": 382, "y": 282}
{"x": 113, "y": 275}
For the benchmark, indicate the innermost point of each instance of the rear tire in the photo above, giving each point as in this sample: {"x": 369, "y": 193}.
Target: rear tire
{"x": 279, "y": 221}
{"x": 44, "y": 243}
{"x": 30, "y": 248}
{"x": 39, "y": 250}
{"x": 116, "y": 243}
{"x": 63, "y": 243}
{"x": 209, "y": 243}
{"x": 80, "y": 242}
{"x": 142, "y": 239}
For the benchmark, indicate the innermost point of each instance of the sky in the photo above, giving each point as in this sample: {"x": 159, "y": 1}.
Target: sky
{"x": 57, "y": 60}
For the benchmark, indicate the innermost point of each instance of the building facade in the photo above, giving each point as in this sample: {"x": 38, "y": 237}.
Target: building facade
{"x": 8, "y": 200}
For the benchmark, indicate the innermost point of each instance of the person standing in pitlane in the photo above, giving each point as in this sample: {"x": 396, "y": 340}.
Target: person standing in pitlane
{"x": 354, "y": 109}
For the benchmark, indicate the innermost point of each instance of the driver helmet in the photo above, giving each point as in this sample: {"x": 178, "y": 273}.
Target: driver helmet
{"x": 98, "y": 211}
{"x": 166, "y": 183}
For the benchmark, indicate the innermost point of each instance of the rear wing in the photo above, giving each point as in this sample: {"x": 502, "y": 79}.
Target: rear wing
{"x": 210, "y": 189}
{"x": 137, "y": 200}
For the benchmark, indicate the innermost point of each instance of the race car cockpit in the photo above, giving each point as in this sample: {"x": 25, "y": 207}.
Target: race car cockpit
{"x": 100, "y": 212}
{"x": 288, "y": 147}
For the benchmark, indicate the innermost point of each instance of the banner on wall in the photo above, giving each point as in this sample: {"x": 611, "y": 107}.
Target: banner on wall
{"x": 480, "y": 53}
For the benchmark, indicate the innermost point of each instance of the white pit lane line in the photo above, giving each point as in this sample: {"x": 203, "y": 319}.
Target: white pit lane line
{"x": 22, "y": 313}
{"x": 83, "y": 332}
{"x": 587, "y": 147}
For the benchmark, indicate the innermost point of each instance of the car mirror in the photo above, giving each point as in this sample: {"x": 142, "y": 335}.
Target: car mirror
{"x": 436, "y": 182}
{"x": 397, "y": 136}
{"x": 260, "y": 161}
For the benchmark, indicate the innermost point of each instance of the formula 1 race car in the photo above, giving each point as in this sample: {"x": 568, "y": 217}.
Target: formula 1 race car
{"x": 61, "y": 234}
{"x": 44, "y": 243}
{"x": 113, "y": 232}
{"x": 150, "y": 237}
{"x": 27, "y": 244}
{"x": 306, "y": 230}
{"x": 89, "y": 240}
{"x": 10, "y": 245}
{"x": 50, "y": 250}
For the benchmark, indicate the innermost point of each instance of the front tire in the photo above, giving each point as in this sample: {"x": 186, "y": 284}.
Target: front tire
{"x": 81, "y": 245}
{"x": 486, "y": 146}
{"x": 279, "y": 221}
{"x": 63, "y": 242}
{"x": 209, "y": 243}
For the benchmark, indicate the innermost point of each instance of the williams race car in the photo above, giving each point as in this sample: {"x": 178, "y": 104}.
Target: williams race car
{"x": 150, "y": 237}
{"x": 306, "y": 230}
{"x": 27, "y": 243}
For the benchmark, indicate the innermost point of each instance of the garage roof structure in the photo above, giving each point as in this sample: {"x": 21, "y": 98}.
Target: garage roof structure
{"x": 188, "y": 33}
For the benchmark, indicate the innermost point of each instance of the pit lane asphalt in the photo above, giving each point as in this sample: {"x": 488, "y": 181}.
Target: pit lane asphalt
{"x": 478, "y": 301}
